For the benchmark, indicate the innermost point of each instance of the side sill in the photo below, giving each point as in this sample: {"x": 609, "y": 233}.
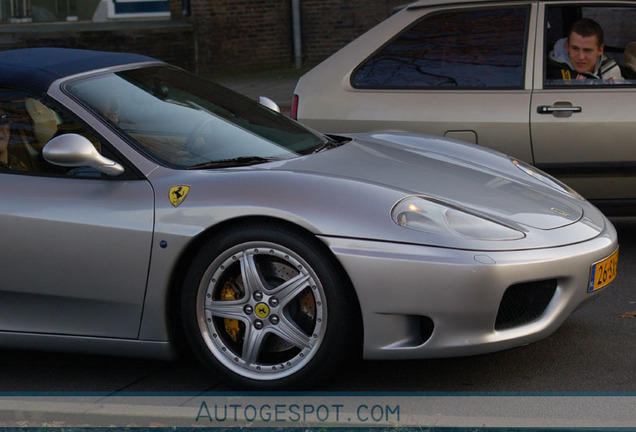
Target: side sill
{"x": 157, "y": 350}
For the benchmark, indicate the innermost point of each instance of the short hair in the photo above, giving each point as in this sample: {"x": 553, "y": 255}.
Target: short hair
{"x": 587, "y": 27}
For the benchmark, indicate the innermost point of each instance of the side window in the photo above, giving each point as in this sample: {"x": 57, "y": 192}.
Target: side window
{"x": 470, "y": 49}
{"x": 27, "y": 123}
{"x": 611, "y": 63}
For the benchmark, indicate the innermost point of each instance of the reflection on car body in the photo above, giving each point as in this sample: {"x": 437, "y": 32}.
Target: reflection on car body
{"x": 194, "y": 214}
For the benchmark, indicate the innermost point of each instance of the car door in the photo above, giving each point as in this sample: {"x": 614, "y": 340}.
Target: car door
{"x": 75, "y": 243}
{"x": 584, "y": 131}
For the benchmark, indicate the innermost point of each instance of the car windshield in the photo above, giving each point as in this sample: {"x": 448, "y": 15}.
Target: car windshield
{"x": 184, "y": 121}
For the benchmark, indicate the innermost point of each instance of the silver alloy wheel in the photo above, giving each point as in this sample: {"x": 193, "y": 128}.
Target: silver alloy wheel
{"x": 261, "y": 310}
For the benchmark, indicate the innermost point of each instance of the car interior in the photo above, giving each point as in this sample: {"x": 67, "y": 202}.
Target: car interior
{"x": 32, "y": 126}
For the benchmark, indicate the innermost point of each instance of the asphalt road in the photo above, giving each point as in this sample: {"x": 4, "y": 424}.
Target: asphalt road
{"x": 593, "y": 351}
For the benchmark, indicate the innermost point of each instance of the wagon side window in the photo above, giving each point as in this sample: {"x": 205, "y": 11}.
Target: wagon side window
{"x": 459, "y": 49}
{"x": 27, "y": 124}
{"x": 614, "y": 59}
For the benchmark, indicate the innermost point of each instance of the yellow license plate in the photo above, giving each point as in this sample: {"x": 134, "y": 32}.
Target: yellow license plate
{"x": 603, "y": 272}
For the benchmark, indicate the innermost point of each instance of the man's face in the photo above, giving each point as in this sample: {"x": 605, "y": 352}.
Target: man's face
{"x": 583, "y": 52}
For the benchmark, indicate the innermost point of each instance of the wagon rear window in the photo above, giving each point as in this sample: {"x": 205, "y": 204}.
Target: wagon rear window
{"x": 481, "y": 48}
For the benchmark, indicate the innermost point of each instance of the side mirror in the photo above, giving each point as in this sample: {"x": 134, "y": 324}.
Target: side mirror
{"x": 72, "y": 150}
{"x": 267, "y": 102}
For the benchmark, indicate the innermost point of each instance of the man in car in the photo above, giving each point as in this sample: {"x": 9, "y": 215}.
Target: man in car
{"x": 580, "y": 55}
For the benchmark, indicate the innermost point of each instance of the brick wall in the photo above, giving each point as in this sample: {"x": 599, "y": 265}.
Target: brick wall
{"x": 233, "y": 34}
{"x": 255, "y": 34}
{"x": 328, "y": 25}
{"x": 219, "y": 35}
{"x": 169, "y": 41}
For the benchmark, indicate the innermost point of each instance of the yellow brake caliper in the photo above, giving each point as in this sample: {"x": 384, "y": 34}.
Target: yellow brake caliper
{"x": 232, "y": 326}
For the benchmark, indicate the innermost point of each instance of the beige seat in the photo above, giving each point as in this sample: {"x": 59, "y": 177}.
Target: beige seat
{"x": 628, "y": 66}
{"x": 45, "y": 122}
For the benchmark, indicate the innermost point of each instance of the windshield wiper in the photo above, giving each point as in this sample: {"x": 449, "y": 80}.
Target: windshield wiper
{"x": 235, "y": 162}
{"x": 332, "y": 141}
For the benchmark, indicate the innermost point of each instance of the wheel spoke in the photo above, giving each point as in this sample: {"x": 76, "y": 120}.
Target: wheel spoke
{"x": 287, "y": 291}
{"x": 226, "y": 309}
{"x": 253, "y": 344}
{"x": 251, "y": 277}
{"x": 289, "y": 332}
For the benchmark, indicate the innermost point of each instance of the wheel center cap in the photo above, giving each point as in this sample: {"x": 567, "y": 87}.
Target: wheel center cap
{"x": 261, "y": 310}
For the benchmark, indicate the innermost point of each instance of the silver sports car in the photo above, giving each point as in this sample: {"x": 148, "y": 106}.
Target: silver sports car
{"x": 143, "y": 206}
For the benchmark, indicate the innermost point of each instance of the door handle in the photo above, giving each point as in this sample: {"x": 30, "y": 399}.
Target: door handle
{"x": 545, "y": 109}
{"x": 559, "y": 109}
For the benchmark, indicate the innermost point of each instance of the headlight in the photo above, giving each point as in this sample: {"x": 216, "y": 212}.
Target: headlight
{"x": 433, "y": 216}
{"x": 545, "y": 178}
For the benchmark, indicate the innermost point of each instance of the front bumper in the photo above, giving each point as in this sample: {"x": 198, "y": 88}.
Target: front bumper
{"x": 400, "y": 287}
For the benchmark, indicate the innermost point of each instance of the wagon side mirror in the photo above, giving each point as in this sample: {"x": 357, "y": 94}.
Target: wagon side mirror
{"x": 72, "y": 150}
{"x": 267, "y": 102}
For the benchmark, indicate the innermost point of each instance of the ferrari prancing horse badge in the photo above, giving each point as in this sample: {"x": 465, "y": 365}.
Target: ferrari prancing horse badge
{"x": 178, "y": 194}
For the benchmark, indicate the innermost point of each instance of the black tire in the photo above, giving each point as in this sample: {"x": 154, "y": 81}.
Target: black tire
{"x": 289, "y": 326}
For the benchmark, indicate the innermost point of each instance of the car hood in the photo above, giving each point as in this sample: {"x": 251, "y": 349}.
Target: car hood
{"x": 469, "y": 177}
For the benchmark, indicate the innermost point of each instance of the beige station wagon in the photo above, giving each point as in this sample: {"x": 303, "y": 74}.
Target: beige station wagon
{"x": 477, "y": 71}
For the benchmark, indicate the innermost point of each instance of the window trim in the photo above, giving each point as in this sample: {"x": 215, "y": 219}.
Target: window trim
{"x": 138, "y": 9}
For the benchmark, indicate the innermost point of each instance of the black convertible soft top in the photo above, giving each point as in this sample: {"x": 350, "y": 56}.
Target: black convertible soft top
{"x": 34, "y": 69}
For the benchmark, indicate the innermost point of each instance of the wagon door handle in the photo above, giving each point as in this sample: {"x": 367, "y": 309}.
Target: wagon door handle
{"x": 559, "y": 109}
{"x": 545, "y": 109}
